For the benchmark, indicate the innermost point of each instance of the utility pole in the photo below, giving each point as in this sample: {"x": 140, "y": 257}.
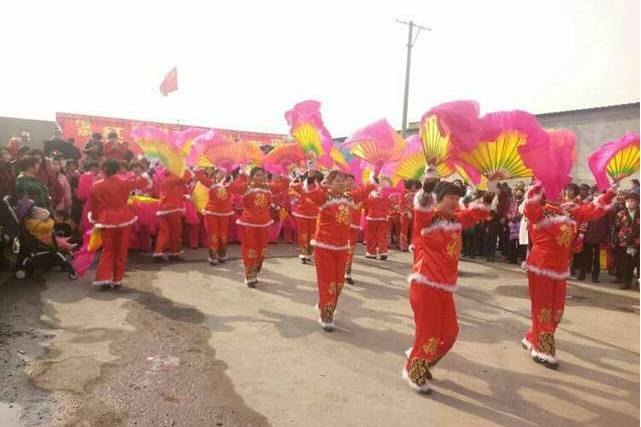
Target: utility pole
{"x": 410, "y": 45}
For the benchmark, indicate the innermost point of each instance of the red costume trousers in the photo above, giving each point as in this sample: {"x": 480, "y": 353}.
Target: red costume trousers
{"x": 330, "y": 276}
{"x": 377, "y": 237}
{"x": 306, "y": 228}
{"x": 218, "y": 229}
{"x": 405, "y": 238}
{"x": 253, "y": 247}
{"x": 436, "y": 329}
{"x": 354, "y": 234}
{"x": 547, "y": 298}
{"x": 115, "y": 244}
{"x": 169, "y": 234}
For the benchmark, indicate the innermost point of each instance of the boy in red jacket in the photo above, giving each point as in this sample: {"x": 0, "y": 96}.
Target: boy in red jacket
{"x": 109, "y": 212}
{"x": 170, "y": 211}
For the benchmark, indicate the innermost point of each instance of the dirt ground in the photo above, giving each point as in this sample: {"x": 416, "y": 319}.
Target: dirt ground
{"x": 189, "y": 345}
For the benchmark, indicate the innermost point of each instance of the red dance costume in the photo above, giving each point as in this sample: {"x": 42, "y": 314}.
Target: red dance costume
{"x": 170, "y": 211}
{"x": 552, "y": 233}
{"x": 354, "y": 235}
{"x": 216, "y": 214}
{"x": 255, "y": 221}
{"x": 109, "y": 212}
{"x": 306, "y": 215}
{"x": 432, "y": 286}
{"x": 407, "y": 204}
{"x": 332, "y": 245}
{"x": 378, "y": 206}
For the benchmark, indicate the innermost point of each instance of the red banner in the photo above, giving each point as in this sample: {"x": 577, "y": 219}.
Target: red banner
{"x": 80, "y": 127}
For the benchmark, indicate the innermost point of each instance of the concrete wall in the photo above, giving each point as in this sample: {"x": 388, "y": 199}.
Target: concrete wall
{"x": 38, "y": 130}
{"x": 592, "y": 128}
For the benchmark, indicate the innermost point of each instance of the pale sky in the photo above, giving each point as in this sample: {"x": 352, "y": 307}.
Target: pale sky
{"x": 242, "y": 64}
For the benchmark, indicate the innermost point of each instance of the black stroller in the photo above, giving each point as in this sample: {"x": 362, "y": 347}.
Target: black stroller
{"x": 30, "y": 253}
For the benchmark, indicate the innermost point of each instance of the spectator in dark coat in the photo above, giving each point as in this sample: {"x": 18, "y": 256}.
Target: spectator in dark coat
{"x": 590, "y": 257}
{"x": 7, "y": 174}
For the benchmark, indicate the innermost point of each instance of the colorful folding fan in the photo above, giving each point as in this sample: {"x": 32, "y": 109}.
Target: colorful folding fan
{"x": 282, "y": 157}
{"x": 377, "y": 144}
{"x": 616, "y": 159}
{"x": 156, "y": 144}
{"x": 184, "y": 140}
{"x": 504, "y": 136}
{"x": 200, "y": 196}
{"x": 307, "y": 128}
{"x": 212, "y": 150}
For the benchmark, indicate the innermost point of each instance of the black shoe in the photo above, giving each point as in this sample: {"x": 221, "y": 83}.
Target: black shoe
{"x": 175, "y": 258}
{"x": 105, "y": 287}
{"x": 383, "y": 257}
{"x": 116, "y": 287}
{"x": 252, "y": 283}
{"x": 349, "y": 280}
{"x": 159, "y": 260}
{"x": 580, "y": 277}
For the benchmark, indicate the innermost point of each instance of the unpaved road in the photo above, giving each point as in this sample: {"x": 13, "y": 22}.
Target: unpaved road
{"x": 188, "y": 345}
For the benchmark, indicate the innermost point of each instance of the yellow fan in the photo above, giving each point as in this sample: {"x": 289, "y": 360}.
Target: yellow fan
{"x": 499, "y": 159}
{"x": 435, "y": 145}
{"x": 624, "y": 163}
{"x": 200, "y": 196}
{"x": 309, "y": 138}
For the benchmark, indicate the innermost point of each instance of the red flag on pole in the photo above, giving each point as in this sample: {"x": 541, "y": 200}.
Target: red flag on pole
{"x": 170, "y": 82}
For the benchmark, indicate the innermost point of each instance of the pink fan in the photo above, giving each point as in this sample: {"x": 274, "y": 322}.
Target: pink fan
{"x": 307, "y": 128}
{"x": 376, "y": 144}
{"x": 281, "y": 158}
{"x": 616, "y": 159}
{"x": 456, "y": 122}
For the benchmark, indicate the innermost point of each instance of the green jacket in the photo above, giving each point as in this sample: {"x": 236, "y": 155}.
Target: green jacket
{"x": 34, "y": 189}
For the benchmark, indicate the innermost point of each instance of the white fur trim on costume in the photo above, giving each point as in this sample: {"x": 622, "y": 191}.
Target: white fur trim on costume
{"x": 247, "y": 224}
{"x": 169, "y": 211}
{"x": 441, "y": 226}
{"x": 525, "y": 343}
{"x": 212, "y": 259}
{"x": 158, "y": 255}
{"x": 418, "y": 206}
{"x": 411, "y": 248}
{"x": 408, "y": 352}
{"x": 101, "y": 282}
{"x": 371, "y": 218}
{"x": 601, "y": 204}
{"x": 329, "y": 325}
{"x": 175, "y": 253}
{"x": 368, "y": 255}
{"x": 558, "y": 219}
{"x": 422, "y": 280}
{"x": 206, "y": 212}
{"x": 355, "y": 227}
{"x": 223, "y": 258}
{"x": 545, "y": 272}
{"x": 425, "y": 388}
{"x": 90, "y": 218}
{"x": 478, "y": 206}
{"x": 117, "y": 283}
{"x": 329, "y": 246}
{"x": 122, "y": 224}
{"x": 384, "y": 254}
{"x": 297, "y": 215}
{"x": 545, "y": 357}
{"x": 341, "y": 200}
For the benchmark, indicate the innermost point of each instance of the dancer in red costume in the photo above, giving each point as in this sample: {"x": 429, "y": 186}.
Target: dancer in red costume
{"x": 354, "y": 229}
{"x": 255, "y": 219}
{"x": 109, "y": 213}
{"x": 216, "y": 214}
{"x": 434, "y": 275}
{"x": 378, "y": 206}
{"x": 407, "y": 209}
{"x": 172, "y": 193}
{"x": 306, "y": 214}
{"x": 553, "y": 228}
{"x": 331, "y": 241}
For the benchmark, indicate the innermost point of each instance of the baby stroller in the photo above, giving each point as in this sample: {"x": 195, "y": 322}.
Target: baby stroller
{"x": 30, "y": 253}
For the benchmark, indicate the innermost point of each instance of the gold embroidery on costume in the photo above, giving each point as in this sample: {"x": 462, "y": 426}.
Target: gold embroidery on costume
{"x": 546, "y": 343}
{"x": 260, "y": 200}
{"x": 454, "y": 247}
{"x": 221, "y": 193}
{"x": 431, "y": 346}
{"x": 565, "y": 236}
{"x": 251, "y": 254}
{"x": 344, "y": 215}
{"x": 252, "y": 271}
{"x": 327, "y": 313}
{"x": 331, "y": 289}
{"x": 545, "y": 315}
{"x": 418, "y": 371}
